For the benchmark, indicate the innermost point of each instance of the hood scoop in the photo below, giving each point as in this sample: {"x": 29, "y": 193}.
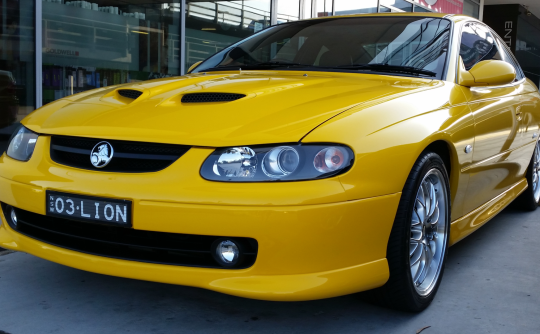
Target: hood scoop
{"x": 211, "y": 97}
{"x": 130, "y": 93}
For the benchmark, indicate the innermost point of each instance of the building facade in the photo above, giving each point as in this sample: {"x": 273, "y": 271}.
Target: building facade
{"x": 54, "y": 48}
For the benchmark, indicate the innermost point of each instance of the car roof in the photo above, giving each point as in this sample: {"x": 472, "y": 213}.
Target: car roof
{"x": 453, "y": 17}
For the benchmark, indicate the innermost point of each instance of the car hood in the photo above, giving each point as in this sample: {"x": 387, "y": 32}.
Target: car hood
{"x": 279, "y": 107}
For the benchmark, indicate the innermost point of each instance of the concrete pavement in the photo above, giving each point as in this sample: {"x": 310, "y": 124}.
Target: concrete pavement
{"x": 491, "y": 285}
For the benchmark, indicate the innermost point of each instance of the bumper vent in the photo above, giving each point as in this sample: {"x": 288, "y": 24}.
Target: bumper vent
{"x": 126, "y": 243}
{"x": 211, "y": 97}
{"x": 130, "y": 93}
{"x": 128, "y": 157}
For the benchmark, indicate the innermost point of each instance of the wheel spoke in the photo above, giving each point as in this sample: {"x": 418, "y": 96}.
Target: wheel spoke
{"x": 416, "y": 233}
{"x": 432, "y": 199}
{"x": 426, "y": 266}
{"x": 415, "y": 219}
{"x": 433, "y": 247}
{"x": 435, "y": 217}
{"x": 429, "y": 259}
{"x": 427, "y": 197}
{"x": 420, "y": 196}
{"x": 413, "y": 248}
{"x": 420, "y": 211}
{"x": 419, "y": 277}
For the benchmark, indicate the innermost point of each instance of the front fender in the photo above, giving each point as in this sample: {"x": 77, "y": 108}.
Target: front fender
{"x": 387, "y": 139}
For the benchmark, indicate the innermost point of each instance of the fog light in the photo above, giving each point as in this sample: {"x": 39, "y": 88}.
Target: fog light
{"x": 13, "y": 217}
{"x": 227, "y": 252}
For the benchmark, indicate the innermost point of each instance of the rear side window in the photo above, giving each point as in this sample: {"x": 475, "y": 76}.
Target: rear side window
{"x": 477, "y": 44}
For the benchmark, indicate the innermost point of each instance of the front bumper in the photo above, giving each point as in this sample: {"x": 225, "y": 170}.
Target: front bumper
{"x": 306, "y": 252}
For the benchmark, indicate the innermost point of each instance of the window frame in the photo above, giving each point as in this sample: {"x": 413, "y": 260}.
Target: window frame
{"x": 505, "y": 52}
{"x": 443, "y": 74}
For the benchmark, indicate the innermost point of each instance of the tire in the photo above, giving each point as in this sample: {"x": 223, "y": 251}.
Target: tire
{"x": 400, "y": 292}
{"x": 528, "y": 200}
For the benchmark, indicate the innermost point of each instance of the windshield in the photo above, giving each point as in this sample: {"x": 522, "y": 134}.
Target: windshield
{"x": 415, "y": 46}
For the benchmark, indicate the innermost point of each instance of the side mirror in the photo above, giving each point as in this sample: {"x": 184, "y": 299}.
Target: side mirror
{"x": 192, "y": 67}
{"x": 486, "y": 73}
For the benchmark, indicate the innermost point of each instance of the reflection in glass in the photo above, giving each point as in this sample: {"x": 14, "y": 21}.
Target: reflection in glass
{"x": 318, "y": 45}
{"x": 88, "y": 45}
{"x": 214, "y": 25}
{"x": 17, "y": 65}
{"x": 477, "y": 44}
{"x": 346, "y": 7}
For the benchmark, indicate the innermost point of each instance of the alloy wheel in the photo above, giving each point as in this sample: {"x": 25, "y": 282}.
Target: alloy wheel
{"x": 429, "y": 227}
{"x": 536, "y": 173}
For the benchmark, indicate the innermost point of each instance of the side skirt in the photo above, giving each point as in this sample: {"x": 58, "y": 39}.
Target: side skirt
{"x": 462, "y": 227}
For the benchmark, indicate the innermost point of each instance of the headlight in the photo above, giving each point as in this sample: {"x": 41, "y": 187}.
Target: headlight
{"x": 277, "y": 163}
{"x": 22, "y": 144}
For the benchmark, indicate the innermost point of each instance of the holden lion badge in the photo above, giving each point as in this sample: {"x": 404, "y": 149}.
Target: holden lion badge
{"x": 101, "y": 154}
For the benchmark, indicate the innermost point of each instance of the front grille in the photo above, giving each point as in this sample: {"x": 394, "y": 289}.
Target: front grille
{"x": 130, "y": 93}
{"x": 211, "y": 97}
{"x": 126, "y": 243}
{"x": 128, "y": 157}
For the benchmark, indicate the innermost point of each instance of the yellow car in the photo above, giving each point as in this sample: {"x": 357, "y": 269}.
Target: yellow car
{"x": 314, "y": 159}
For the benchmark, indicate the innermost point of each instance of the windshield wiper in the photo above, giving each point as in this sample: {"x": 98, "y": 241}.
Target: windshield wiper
{"x": 387, "y": 68}
{"x": 257, "y": 65}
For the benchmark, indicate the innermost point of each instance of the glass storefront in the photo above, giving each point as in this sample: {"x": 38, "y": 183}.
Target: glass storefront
{"x": 214, "y": 25}
{"x": 520, "y": 30}
{"x": 91, "y": 45}
{"x": 324, "y": 7}
{"x": 17, "y": 65}
{"x": 528, "y": 45}
{"x": 288, "y": 11}
{"x": 399, "y": 4}
{"x": 471, "y": 8}
{"x": 99, "y": 43}
{"x": 345, "y": 7}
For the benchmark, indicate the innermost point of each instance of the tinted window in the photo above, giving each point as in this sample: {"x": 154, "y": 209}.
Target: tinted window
{"x": 400, "y": 41}
{"x": 477, "y": 44}
{"x": 510, "y": 59}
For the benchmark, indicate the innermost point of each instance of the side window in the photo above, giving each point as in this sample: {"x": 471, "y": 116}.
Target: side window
{"x": 510, "y": 59}
{"x": 477, "y": 44}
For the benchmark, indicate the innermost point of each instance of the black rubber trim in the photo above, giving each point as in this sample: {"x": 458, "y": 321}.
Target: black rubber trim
{"x": 128, "y": 243}
{"x": 130, "y": 93}
{"x": 211, "y": 97}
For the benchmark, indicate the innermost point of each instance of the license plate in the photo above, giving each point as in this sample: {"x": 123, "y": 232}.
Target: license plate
{"x": 89, "y": 209}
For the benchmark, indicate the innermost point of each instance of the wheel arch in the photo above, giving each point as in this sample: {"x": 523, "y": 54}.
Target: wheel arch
{"x": 448, "y": 153}
{"x": 442, "y": 148}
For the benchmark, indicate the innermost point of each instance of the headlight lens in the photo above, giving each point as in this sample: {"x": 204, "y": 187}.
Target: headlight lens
{"x": 283, "y": 163}
{"x": 22, "y": 144}
{"x": 280, "y": 161}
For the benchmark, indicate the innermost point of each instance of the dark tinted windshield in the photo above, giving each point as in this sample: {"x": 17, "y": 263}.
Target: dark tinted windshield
{"x": 414, "y": 42}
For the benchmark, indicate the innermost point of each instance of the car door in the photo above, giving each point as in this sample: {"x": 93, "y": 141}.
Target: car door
{"x": 495, "y": 164}
{"x": 528, "y": 111}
